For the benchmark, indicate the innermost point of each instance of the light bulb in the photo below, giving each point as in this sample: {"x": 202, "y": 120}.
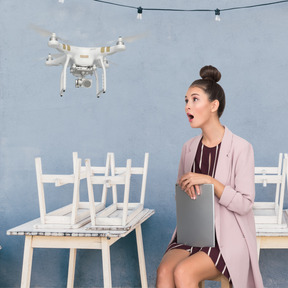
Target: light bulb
{"x": 139, "y": 15}
{"x": 217, "y": 15}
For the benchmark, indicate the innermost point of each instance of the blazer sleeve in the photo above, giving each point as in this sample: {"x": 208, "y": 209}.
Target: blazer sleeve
{"x": 181, "y": 169}
{"x": 240, "y": 197}
{"x": 181, "y": 165}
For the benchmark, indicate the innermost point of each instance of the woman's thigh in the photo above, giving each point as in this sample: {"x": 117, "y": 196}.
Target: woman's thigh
{"x": 196, "y": 268}
{"x": 173, "y": 257}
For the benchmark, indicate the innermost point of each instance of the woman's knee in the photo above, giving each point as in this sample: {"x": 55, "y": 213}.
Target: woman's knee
{"x": 184, "y": 277}
{"x": 165, "y": 276}
{"x": 164, "y": 270}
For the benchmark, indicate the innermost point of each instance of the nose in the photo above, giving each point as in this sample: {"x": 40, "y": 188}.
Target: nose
{"x": 187, "y": 106}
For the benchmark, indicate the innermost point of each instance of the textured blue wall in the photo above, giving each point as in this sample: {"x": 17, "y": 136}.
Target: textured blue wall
{"x": 142, "y": 111}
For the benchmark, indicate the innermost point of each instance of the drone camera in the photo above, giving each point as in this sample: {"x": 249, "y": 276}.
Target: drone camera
{"x": 82, "y": 82}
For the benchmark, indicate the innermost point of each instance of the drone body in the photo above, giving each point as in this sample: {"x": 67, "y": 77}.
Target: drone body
{"x": 82, "y": 61}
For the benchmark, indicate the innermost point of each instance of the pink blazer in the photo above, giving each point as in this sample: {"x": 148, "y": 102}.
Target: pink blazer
{"x": 234, "y": 219}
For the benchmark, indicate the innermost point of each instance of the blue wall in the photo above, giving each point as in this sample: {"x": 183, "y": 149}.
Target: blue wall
{"x": 142, "y": 111}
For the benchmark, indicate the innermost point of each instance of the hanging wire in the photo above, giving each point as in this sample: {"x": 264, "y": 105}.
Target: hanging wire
{"x": 216, "y": 11}
{"x": 115, "y": 4}
{"x": 192, "y": 10}
{"x": 254, "y": 6}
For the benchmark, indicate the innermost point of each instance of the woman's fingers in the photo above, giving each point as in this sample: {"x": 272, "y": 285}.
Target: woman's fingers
{"x": 191, "y": 192}
{"x": 197, "y": 189}
{"x": 188, "y": 185}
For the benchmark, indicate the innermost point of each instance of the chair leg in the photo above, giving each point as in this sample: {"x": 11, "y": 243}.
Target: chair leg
{"x": 202, "y": 284}
{"x": 225, "y": 283}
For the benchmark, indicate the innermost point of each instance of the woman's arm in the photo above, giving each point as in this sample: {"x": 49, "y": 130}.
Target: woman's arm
{"x": 190, "y": 184}
{"x": 240, "y": 197}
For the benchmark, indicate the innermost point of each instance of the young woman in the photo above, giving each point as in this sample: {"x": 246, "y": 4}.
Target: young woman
{"x": 219, "y": 157}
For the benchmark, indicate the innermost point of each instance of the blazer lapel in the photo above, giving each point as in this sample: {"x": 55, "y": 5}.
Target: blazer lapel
{"x": 223, "y": 171}
{"x": 191, "y": 153}
{"x": 224, "y": 161}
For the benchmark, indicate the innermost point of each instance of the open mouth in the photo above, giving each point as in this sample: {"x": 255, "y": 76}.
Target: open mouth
{"x": 190, "y": 117}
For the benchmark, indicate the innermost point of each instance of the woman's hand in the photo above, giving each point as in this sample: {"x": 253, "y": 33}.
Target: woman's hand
{"x": 190, "y": 183}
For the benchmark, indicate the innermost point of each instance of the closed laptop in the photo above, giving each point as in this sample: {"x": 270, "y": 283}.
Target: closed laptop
{"x": 195, "y": 218}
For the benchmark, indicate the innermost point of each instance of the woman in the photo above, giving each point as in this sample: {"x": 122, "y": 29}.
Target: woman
{"x": 221, "y": 158}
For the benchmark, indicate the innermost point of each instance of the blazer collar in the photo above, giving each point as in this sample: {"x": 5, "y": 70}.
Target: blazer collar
{"x": 192, "y": 153}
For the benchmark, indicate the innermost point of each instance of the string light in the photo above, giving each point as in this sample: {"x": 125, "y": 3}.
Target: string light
{"x": 139, "y": 15}
{"x": 217, "y": 15}
{"x": 217, "y": 11}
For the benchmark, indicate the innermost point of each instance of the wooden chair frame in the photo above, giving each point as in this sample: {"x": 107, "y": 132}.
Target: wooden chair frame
{"x": 73, "y": 215}
{"x": 116, "y": 214}
{"x": 271, "y": 213}
{"x": 221, "y": 278}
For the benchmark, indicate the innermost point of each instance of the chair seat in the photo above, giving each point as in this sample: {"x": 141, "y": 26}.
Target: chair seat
{"x": 221, "y": 278}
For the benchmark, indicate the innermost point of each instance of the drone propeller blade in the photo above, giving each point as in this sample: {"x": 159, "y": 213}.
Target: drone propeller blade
{"x": 44, "y": 32}
{"x": 134, "y": 38}
{"x": 40, "y": 30}
{"x": 129, "y": 39}
{"x": 113, "y": 63}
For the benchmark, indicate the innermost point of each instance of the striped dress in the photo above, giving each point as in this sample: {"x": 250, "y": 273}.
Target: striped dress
{"x": 205, "y": 163}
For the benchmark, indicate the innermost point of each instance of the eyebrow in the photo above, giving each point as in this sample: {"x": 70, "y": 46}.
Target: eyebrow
{"x": 194, "y": 94}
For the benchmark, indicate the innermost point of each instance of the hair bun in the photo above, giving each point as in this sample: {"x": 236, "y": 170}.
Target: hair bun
{"x": 210, "y": 73}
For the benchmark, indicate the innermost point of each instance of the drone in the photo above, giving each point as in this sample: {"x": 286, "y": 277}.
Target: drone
{"x": 83, "y": 61}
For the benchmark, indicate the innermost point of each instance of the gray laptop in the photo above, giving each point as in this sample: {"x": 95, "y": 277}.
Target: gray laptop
{"x": 195, "y": 218}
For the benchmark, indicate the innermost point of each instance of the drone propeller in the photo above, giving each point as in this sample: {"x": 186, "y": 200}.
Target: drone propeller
{"x": 129, "y": 39}
{"x": 134, "y": 38}
{"x": 44, "y": 32}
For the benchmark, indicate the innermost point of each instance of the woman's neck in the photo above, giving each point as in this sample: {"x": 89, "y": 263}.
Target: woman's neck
{"x": 213, "y": 134}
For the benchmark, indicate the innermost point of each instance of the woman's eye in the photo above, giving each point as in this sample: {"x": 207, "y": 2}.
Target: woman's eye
{"x": 195, "y": 99}
{"x": 186, "y": 101}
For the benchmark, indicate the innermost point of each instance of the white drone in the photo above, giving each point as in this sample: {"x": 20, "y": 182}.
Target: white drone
{"x": 82, "y": 61}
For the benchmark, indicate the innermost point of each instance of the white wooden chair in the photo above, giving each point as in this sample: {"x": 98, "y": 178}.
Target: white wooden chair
{"x": 73, "y": 215}
{"x": 270, "y": 214}
{"x": 221, "y": 278}
{"x": 116, "y": 214}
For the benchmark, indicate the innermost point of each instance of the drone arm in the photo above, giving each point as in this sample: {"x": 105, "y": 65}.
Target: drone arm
{"x": 63, "y": 76}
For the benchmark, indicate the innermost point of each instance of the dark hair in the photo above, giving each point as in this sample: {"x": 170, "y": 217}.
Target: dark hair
{"x": 210, "y": 76}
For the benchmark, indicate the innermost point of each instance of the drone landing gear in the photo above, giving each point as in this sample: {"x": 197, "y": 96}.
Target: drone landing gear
{"x": 101, "y": 91}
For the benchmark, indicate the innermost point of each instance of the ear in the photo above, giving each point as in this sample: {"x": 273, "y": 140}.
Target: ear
{"x": 214, "y": 106}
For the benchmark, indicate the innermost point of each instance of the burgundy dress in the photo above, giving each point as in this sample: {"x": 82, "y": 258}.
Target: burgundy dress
{"x": 205, "y": 163}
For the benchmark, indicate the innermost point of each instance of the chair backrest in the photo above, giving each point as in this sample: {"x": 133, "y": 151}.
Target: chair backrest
{"x": 272, "y": 175}
{"x": 58, "y": 180}
{"x": 269, "y": 175}
{"x": 138, "y": 171}
{"x": 111, "y": 176}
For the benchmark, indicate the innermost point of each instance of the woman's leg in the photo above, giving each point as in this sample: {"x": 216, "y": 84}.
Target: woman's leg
{"x": 165, "y": 271}
{"x": 192, "y": 270}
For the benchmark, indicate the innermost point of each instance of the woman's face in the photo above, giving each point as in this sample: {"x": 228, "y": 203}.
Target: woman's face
{"x": 198, "y": 107}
